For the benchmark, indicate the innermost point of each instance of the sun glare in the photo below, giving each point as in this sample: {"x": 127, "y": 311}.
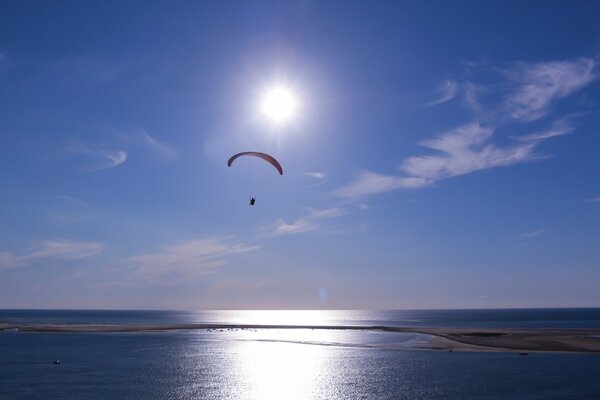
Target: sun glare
{"x": 279, "y": 104}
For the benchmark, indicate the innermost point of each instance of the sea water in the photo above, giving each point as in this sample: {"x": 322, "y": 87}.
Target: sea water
{"x": 287, "y": 364}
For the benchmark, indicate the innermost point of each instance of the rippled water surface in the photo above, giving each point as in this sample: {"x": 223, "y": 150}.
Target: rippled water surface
{"x": 285, "y": 364}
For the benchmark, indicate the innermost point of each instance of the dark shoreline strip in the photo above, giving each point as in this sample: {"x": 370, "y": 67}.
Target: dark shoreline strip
{"x": 546, "y": 339}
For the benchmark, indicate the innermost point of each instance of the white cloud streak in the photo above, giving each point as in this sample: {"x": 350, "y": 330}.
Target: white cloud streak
{"x": 471, "y": 94}
{"x": 371, "y": 183}
{"x": 469, "y": 147}
{"x": 281, "y": 228}
{"x": 112, "y": 158}
{"x": 160, "y": 148}
{"x": 315, "y": 174}
{"x": 540, "y": 85}
{"x": 64, "y": 250}
{"x": 533, "y": 234}
{"x": 306, "y": 223}
{"x": 60, "y": 249}
{"x": 593, "y": 200}
{"x": 465, "y": 150}
{"x": 559, "y": 128}
{"x": 102, "y": 157}
{"x": 10, "y": 261}
{"x": 175, "y": 263}
{"x": 445, "y": 92}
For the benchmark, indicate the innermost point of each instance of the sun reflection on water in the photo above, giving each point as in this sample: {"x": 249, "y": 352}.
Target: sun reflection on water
{"x": 282, "y": 317}
{"x": 279, "y": 366}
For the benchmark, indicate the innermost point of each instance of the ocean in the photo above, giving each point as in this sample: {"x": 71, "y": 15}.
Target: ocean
{"x": 284, "y": 363}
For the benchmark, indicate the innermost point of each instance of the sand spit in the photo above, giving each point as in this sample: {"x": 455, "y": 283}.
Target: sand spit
{"x": 460, "y": 339}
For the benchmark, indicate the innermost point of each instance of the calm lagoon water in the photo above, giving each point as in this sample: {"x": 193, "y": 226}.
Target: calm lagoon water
{"x": 287, "y": 364}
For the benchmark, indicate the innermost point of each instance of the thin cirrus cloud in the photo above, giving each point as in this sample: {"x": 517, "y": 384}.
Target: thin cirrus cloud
{"x": 468, "y": 148}
{"x": 539, "y": 85}
{"x": 471, "y": 95}
{"x": 307, "y": 223}
{"x": 139, "y": 138}
{"x": 102, "y": 157}
{"x": 464, "y": 150}
{"x": 559, "y": 128}
{"x": 533, "y": 234}
{"x": 445, "y": 92}
{"x": 162, "y": 149}
{"x": 315, "y": 174}
{"x": 321, "y": 178}
{"x": 178, "y": 262}
{"x": 593, "y": 200}
{"x": 368, "y": 183}
{"x": 60, "y": 249}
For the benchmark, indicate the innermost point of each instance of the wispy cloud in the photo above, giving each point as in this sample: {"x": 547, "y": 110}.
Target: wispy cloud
{"x": 471, "y": 94}
{"x": 593, "y": 200}
{"x": 533, "y": 234}
{"x": 464, "y": 150}
{"x": 60, "y": 249}
{"x": 3, "y": 55}
{"x": 281, "y": 228}
{"x": 175, "y": 263}
{"x": 368, "y": 183}
{"x": 116, "y": 147}
{"x": 559, "y": 128}
{"x": 539, "y": 85}
{"x": 326, "y": 213}
{"x": 533, "y": 89}
{"x": 320, "y": 177}
{"x": 9, "y": 261}
{"x": 102, "y": 156}
{"x": 160, "y": 148}
{"x": 315, "y": 174}
{"x": 307, "y": 223}
{"x": 445, "y": 92}
{"x": 63, "y": 250}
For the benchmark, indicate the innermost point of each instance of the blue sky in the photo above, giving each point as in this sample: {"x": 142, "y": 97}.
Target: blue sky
{"x": 443, "y": 155}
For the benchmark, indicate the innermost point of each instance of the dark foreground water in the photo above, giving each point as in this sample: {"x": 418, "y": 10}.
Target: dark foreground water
{"x": 297, "y": 364}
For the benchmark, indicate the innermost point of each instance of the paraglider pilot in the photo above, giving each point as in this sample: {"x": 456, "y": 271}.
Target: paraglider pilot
{"x": 252, "y": 201}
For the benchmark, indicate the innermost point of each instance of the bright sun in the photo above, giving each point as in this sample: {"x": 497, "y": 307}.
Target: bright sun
{"x": 279, "y": 104}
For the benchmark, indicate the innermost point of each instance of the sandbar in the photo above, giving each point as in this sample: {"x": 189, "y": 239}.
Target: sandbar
{"x": 459, "y": 339}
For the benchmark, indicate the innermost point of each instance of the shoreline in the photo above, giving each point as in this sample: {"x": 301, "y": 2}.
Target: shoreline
{"x": 449, "y": 339}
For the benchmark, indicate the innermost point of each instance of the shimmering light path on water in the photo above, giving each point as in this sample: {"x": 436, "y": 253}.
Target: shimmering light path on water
{"x": 211, "y": 366}
{"x": 297, "y": 364}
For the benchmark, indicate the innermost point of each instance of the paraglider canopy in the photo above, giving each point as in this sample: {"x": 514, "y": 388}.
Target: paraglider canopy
{"x": 264, "y": 156}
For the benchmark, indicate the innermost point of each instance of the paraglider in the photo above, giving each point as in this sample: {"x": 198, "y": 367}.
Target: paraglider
{"x": 263, "y": 156}
{"x": 270, "y": 159}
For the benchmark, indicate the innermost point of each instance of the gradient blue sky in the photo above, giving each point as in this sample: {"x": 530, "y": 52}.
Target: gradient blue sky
{"x": 445, "y": 155}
